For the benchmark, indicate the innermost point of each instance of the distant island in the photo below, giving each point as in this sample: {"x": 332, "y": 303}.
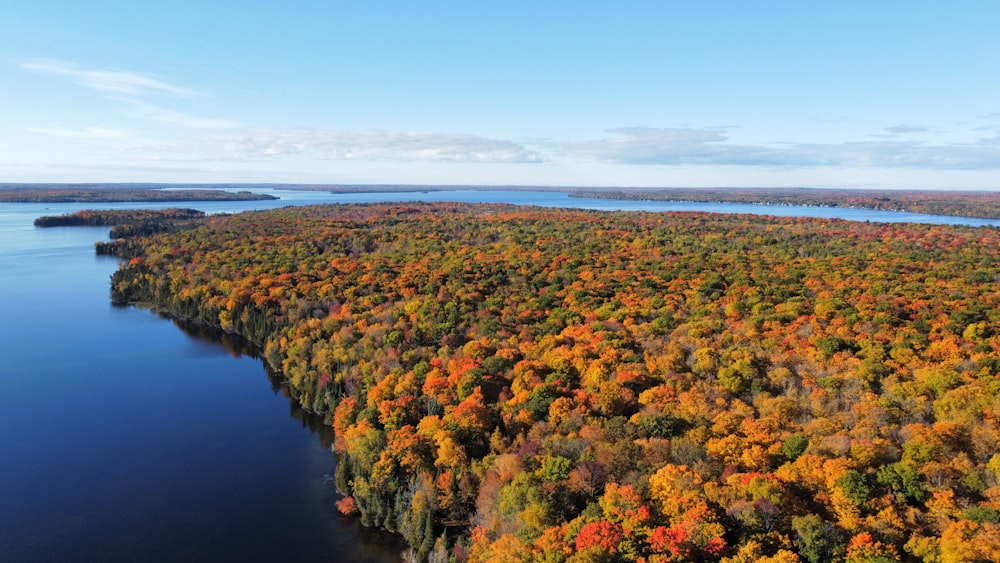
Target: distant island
{"x": 119, "y": 193}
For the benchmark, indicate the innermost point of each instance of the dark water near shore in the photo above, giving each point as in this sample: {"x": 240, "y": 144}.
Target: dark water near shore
{"x": 126, "y": 437}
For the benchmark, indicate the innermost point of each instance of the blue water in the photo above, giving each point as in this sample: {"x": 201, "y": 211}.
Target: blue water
{"x": 125, "y": 438}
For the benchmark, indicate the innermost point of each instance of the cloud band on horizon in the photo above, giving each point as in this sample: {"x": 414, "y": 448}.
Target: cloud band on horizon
{"x": 684, "y": 146}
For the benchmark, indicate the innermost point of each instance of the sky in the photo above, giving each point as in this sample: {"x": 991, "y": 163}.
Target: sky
{"x": 856, "y": 94}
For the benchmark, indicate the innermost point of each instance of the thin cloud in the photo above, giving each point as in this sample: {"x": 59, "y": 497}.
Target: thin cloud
{"x": 992, "y": 123}
{"x": 652, "y": 146}
{"x": 888, "y": 154}
{"x": 905, "y": 129}
{"x": 133, "y": 89}
{"x": 85, "y": 133}
{"x": 648, "y": 145}
{"x": 373, "y": 145}
{"x": 153, "y": 112}
{"x": 109, "y": 81}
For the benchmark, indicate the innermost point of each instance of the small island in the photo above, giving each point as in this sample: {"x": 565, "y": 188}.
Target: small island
{"x": 120, "y": 193}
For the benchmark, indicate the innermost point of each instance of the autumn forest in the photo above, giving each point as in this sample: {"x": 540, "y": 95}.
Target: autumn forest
{"x": 523, "y": 384}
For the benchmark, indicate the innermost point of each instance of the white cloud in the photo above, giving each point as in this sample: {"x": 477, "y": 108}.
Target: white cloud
{"x": 110, "y": 81}
{"x": 372, "y": 145}
{"x": 85, "y": 133}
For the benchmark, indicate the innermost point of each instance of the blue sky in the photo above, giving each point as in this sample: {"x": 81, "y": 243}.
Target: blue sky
{"x": 721, "y": 93}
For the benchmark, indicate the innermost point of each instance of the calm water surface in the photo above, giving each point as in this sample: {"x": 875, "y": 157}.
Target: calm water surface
{"x": 124, "y": 437}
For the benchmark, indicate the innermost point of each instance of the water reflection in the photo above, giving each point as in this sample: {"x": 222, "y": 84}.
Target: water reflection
{"x": 236, "y": 346}
{"x": 213, "y": 338}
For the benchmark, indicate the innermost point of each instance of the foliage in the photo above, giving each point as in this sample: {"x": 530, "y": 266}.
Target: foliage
{"x": 554, "y": 385}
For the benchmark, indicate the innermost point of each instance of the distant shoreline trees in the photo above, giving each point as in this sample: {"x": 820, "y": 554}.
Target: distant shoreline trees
{"x": 59, "y": 193}
{"x": 979, "y": 204}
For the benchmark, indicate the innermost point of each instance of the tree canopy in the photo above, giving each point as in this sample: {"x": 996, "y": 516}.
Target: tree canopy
{"x": 553, "y": 385}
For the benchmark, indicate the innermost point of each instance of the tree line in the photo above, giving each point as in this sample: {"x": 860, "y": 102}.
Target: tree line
{"x": 87, "y": 193}
{"x": 979, "y": 204}
{"x": 129, "y": 218}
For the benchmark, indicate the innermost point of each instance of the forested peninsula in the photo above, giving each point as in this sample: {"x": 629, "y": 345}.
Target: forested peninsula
{"x": 520, "y": 384}
{"x": 108, "y": 217}
{"x": 982, "y": 205}
{"x": 124, "y": 223}
{"x": 111, "y": 193}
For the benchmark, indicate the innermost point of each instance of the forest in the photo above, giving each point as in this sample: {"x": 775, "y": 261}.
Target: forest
{"x": 92, "y": 193}
{"x": 983, "y": 205}
{"x": 521, "y": 384}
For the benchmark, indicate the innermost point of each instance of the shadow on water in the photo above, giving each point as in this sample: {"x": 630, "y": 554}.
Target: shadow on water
{"x": 237, "y": 346}
{"x": 233, "y": 344}
{"x": 375, "y": 545}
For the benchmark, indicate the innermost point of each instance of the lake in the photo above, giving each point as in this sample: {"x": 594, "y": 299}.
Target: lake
{"x": 125, "y": 436}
